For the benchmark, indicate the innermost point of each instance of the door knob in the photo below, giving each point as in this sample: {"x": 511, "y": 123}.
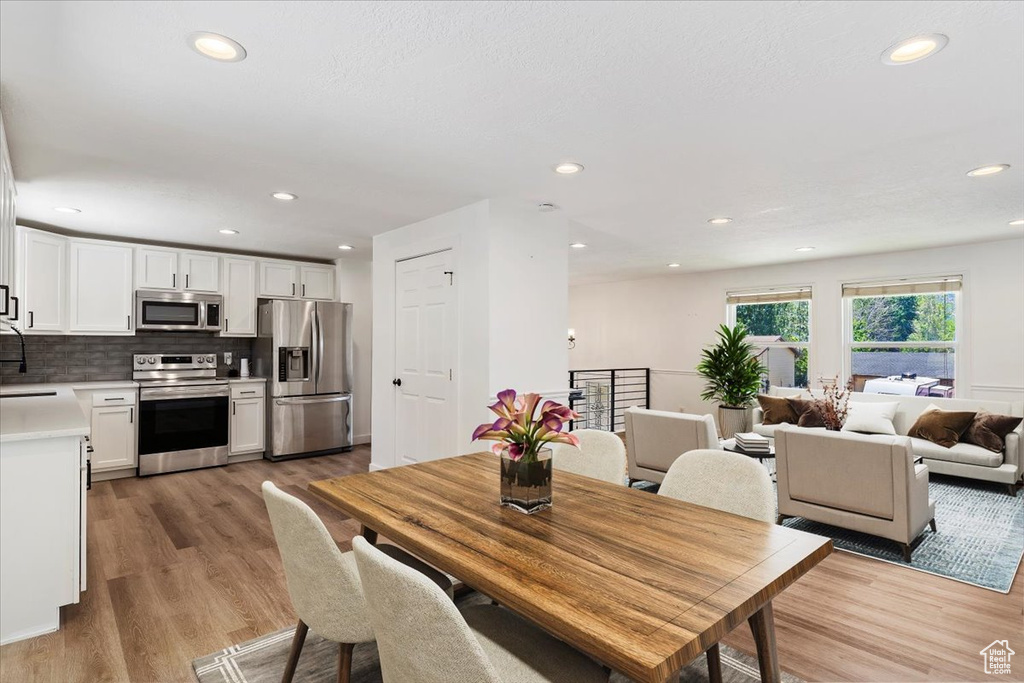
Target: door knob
{"x": 397, "y": 381}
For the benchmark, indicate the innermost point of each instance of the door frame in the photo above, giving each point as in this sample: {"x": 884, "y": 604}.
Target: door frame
{"x": 453, "y": 353}
{"x": 382, "y": 415}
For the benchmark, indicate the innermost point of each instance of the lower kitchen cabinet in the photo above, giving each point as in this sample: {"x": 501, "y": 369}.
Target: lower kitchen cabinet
{"x": 248, "y": 418}
{"x": 113, "y": 416}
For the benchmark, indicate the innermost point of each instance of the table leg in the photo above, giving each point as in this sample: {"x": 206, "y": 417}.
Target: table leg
{"x": 369, "y": 534}
{"x": 762, "y": 625}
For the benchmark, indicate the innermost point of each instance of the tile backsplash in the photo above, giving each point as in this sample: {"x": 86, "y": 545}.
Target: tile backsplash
{"x": 81, "y": 358}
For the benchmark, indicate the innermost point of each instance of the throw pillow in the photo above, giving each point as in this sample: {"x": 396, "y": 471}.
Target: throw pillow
{"x": 776, "y": 410}
{"x": 942, "y": 427}
{"x": 990, "y": 431}
{"x": 809, "y": 412}
{"x": 870, "y": 418}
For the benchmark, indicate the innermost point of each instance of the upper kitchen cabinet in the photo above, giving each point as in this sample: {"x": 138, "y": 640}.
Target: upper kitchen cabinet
{"x": 317, "y": 282}
{"x": 156, "y": 269}
{"x": 278, "y": 279}
{"x": 100, "y": 287}
{"x": 239, "y": 298}
{"x": 200, "y": 272}
{"x": 42, "y": 284}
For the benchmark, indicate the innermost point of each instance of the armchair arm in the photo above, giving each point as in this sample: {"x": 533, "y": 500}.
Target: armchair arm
{"x": 757, "y": 417}
{"x": 1012, "y": 452}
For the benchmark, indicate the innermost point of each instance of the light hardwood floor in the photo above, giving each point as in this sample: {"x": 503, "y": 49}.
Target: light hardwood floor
{"x": 184, "y": 564}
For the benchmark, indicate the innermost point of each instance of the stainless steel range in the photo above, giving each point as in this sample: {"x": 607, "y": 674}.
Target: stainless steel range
{"x": 183, "y": 412}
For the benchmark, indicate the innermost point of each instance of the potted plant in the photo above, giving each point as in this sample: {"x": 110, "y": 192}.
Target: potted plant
{"x": 522, "y": 435}
{"x": 733, "y": 377}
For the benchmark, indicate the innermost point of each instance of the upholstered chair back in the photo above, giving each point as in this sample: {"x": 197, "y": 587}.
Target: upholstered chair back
{"x": 421, "y": 636}
{"x": 601, "y": 455}
{"x": 722, "y": 480}
{"x": 323, "y": 582}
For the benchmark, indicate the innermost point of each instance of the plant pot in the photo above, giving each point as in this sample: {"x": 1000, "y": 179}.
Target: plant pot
{"x": 733, "y": 420}
{"x": 526, "y": 486}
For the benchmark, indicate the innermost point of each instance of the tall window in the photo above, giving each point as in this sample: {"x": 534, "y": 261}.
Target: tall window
{"x": 779, "y": 322}
{"x": 904, "y": 328}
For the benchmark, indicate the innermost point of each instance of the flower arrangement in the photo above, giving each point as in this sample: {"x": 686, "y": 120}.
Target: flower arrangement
{"x": 834, "y": 404}
{"x": 521, "y": 430}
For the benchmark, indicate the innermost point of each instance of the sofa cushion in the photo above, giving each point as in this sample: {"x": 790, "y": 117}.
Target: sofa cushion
{"x": 965, "y": 453}
{"x": 990, "y": 431}
{"x": 809, "y": 412}
{"x": 776, "y": 410}
{"x": 871, "y": 418}
{"x": 765, "y": 430}
{"x": 942, "y": 427}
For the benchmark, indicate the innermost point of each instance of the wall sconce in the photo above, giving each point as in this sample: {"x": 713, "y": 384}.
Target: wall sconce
{"x": 572, "y": 338}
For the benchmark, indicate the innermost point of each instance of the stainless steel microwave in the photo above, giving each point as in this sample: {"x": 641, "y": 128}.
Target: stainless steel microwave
{"x": 177, "y": 311}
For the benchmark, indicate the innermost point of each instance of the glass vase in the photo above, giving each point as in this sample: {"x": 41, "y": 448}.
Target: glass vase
{"x": 526, "y": 486}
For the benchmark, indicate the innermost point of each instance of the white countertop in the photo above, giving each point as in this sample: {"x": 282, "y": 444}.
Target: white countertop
{"x": 244, "y": 380}
{"x": 41, "y": 417}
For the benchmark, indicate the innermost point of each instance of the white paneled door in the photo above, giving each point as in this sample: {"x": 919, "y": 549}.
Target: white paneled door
{"x": 425, "y": 349}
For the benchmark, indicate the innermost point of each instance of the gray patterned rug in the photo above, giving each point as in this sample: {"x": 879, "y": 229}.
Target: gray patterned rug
{"x": 262, "y": 661}
{"x": 980, "y": 537}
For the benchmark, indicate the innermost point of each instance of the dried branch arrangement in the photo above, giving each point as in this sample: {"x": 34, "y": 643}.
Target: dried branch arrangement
{"x": 834, "y": 403}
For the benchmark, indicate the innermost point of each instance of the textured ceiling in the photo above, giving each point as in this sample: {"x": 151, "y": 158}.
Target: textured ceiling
{"x": 778, "y": 114}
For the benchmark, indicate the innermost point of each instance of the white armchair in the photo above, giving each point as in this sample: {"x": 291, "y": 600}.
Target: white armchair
{"x": 655, "y": 438}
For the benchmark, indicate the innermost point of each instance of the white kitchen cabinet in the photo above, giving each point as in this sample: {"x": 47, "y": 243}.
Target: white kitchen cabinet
{"x": 156, "y": 268}
{"x": 113, "y": 434}
{"x": 200, "y": 272}
{"x": 317, "y": 282}
{"x": 42, "y": 267}
{"x": 248, "y": 418}
{"x": 100, "y": 287}
{"x": 239, "y": 298}
{"x": 278, "y": 279}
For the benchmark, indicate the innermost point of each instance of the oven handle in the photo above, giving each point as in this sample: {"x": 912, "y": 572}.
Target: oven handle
{"x": 302, "y": 401}
{"x": 164, "y": 394}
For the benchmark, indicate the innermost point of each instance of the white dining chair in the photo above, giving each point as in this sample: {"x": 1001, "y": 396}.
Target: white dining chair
{"x": 323, "y": 581}
{"x": 725, "y": 481}
{"x": 422, "y": 636}
{"x": 601, "y": 455}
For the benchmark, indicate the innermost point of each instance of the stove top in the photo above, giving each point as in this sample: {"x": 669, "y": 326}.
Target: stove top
{"x": 172, "y": 369}
{"x": 181, "y": 381}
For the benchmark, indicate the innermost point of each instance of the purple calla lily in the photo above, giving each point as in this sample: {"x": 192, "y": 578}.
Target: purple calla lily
{"x": 520, "y": 430}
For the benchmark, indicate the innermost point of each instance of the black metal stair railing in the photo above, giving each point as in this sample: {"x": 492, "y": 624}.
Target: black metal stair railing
{"x": 601, "y": 397}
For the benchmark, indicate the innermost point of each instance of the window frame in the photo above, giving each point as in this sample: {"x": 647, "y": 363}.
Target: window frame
{"x": 849, "y": 345}
{"x": 731, "y": 310}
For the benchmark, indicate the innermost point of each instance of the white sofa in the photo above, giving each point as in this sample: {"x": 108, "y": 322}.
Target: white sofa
{"x": 963, "y": 459}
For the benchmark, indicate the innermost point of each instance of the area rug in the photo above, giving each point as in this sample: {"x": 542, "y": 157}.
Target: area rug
{"x": 262, "y": 661}
{"x": 980, "y": 536}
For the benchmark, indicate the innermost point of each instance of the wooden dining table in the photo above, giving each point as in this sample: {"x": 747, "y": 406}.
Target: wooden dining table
{"x": 642, "y": 583}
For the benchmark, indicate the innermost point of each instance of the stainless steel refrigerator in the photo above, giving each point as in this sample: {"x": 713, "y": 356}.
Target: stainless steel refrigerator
{"x": 304, "y": 348}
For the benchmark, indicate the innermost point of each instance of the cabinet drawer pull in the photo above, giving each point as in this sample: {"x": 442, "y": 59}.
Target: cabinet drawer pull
{"x": 119, "y": 398}
{"x": 247, "y": 392}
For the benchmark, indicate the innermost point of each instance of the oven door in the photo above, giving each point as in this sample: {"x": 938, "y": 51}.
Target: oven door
{"x": 182, "y": 428}
{"x": 159, "y": 314}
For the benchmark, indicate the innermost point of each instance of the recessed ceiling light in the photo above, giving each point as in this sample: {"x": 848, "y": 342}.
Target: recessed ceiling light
{"x": 285, "y": 196}
{"x": 805, "y": 248}
{"x": 719, "y": 221}
{"x": 673, "y": 265}
{"x": 1019, "y": 221}
{"x": 345, "y": 247}
{"x": 568, "y": 168}
{"x": 914, "y": 49}
{"x": 987, "y": 170}
{"x": 228, "y": 231}
{"x": 216, "y": 46}
{"x": 578, "y": 245}
{"x": 66, "y": 209}
{"x": 546, "y": 207}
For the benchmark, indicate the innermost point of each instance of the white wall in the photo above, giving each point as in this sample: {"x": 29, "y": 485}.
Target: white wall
{"x": 510, "y": 265}
{"x": 355, "y": 286}
{"x": 663, "y": 323}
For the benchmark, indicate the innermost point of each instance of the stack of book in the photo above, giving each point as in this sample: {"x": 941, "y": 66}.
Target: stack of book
{"x": 753, "y": 443}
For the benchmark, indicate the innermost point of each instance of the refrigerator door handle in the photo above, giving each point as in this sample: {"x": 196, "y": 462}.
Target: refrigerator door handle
{"x": 320, "y": 349}
{"x": 303, "y": 400}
